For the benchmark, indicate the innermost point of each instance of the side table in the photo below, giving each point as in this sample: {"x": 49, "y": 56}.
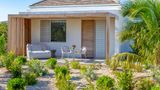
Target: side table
{"x": 53, "y": 53}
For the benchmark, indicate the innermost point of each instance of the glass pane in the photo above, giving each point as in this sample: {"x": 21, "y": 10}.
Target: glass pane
{"x": 58, "y": 31}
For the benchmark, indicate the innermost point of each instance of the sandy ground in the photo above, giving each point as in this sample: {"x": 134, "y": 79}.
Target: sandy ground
{"x": 48, "y": 82}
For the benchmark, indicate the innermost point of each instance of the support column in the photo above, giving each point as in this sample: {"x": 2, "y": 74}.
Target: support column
{"x": 107, "y": 37}
{"x": 118, "y": 29}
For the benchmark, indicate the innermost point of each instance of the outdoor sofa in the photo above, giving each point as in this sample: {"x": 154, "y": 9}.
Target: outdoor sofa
{"x": 38, "y": 51}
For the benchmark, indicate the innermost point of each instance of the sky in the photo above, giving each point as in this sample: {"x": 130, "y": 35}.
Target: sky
{"x": 13, "y": 7}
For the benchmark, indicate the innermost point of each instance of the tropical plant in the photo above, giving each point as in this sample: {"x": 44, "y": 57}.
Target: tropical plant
{"x": 9, "y": 58}
{"x": 30, "y": 78}
{"x": 51, "y": 63}
{"x": 2, "y": 45}
{"x": 16, "y": 69}
{"x": 83, "y": 69}
{"x": 2, "y": 58}
{"x": 93, "y": 66}
{"x": 155, "y": 87}
{"x": 88, "y": 73}
{"x": 37, "y": 67}
{"x": 104, "y": 83}
{"x": 128, "y": 61}
{"x": 3, "y": 29}
{"x": 63, "y": 76}
{"x": 65, "y": 85}
{"x": 130, "y": 57}
{"x": 138, "y": 67}
{"x": 66, "y": 63}
{"x": 144, "y": 84}
{"x": 156, "y": 73}
{"x": 90, "y": 86}
{"x": 16, "y": 84}
{"x": 143, "y": 27}
{"x": 21, "y": 60}
{"x": 126, "y": 65}
{"x": 3, "y": 37}
{"x": 113, "y": 64}
{"x": 125, "y": 80}
{"x": 62, "y": 72}
{"x": 75, "y": 65}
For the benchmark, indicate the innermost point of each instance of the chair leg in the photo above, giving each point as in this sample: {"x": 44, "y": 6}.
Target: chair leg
{"x": 62, "y": 56}
{"x": 85, "y": 56}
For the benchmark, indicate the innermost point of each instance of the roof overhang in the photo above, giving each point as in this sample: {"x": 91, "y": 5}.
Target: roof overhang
{"x": 76, "y": 8}
{"x": 61, "y": 15}
{"x": 71, "y": 11}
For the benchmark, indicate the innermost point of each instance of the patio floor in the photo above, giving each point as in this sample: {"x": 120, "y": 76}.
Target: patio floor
{"x": 82, "y": 61}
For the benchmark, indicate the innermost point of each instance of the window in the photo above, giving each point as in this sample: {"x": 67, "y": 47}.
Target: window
{"x": 58, "y": 31}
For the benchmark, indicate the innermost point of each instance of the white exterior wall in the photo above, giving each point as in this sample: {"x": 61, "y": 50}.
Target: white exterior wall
{"x": 73, "y": 34}
{"x": 35, "y": 31}
{"x": 41, "y": 34}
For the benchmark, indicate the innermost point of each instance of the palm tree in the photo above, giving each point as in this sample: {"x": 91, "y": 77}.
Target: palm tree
{"x": 142, "y": 26}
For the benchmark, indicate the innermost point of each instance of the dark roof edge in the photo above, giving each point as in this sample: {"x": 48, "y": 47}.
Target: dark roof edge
{"x": 37, "y": 2}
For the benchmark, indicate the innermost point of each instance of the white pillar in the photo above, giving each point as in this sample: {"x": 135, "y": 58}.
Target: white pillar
{"x": 118, "y": 29}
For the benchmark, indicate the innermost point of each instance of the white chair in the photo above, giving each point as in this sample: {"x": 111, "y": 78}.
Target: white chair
{"x": 65, "y": 50}
{"x": 83, "y": 51}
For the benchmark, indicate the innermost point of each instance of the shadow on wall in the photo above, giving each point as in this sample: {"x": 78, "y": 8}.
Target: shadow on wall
{"x": 125, "y": 46}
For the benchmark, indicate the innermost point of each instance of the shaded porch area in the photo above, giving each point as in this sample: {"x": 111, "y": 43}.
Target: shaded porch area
{"x": 82, "y": 30}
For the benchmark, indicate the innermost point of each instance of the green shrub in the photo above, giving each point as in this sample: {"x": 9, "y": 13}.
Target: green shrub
{"x": 127, "y": 57}
{"x": 113, "y": 64}
{"x": 37, "y": 67}
{"x": 88, "y": 73}
{"x": 66, "y": 63}
{"x": 155, "y": 87}
{"x": 65, "y": 85}
{"x": 2, "y": 44}
{"x": 51, "y": 63}
{"x": 89, "y": 87}
{"x": 16, "y": 70}
{"x": 62, "y": 72}
{"x": 16, "y": 84}
{"x": 138, "y": 67}
{"x": 2, "y": 59}
{"x": 75, "y": 65}
{"x": 83, "y": 69}
{"x": 156, "y": 73}
{"x": 21, "y": 60}
{"x": 9, "y": 58}
{"x": 104, "y": 83}
{"x": 63, "y": 76}
{"x": 93, "y": 66}
{"x": 30, "y": 78}
{"x": 125, "y": 80}
{"x": 144, "y": 84}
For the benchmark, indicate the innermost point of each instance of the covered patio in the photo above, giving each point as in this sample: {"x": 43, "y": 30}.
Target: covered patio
{"x": 23, "y": 29}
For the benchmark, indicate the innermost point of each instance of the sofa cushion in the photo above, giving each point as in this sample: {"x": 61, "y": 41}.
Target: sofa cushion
{"x": 40, "y": 54}
{"x": 38, "y": 47}
{"x": 46, "y": 51}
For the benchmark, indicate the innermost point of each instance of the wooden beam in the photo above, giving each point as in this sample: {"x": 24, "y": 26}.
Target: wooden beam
{"x": 108, "y": 37}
